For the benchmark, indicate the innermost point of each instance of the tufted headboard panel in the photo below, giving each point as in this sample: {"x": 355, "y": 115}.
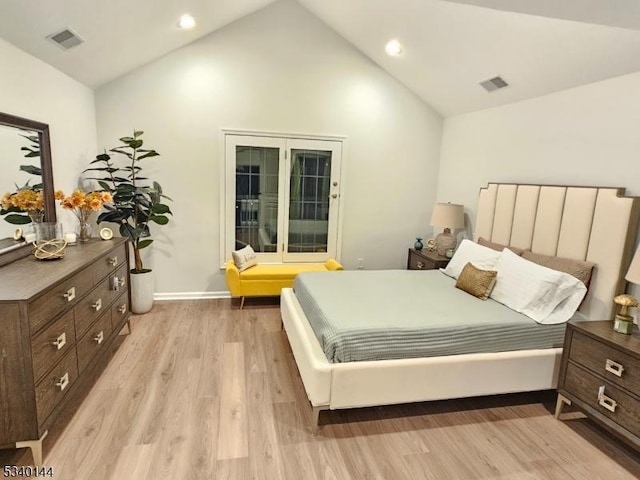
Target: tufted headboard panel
{"x": 597, "y": 224}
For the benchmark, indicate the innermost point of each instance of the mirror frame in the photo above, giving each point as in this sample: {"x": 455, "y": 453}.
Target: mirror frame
{"x": 45, "y": 158}
{"x": 20, "y": 250}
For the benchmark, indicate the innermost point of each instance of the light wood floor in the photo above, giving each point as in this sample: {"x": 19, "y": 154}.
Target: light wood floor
{"x": 202, "y": 390}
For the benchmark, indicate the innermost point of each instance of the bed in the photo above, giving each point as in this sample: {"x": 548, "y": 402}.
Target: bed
{"x": 597, "y": 224}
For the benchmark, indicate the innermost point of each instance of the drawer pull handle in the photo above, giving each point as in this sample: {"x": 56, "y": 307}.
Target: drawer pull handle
{"x": 122, "y": 309}
{"x": 614, "y": 367}
{"x": 63, "y": 382}
{"x": 606, "y": 402}
{"x": 60, "y": 342}
{"x": 113, "y": 261}
{"x": 70, "y": 294}
{"x": 98, "y": 305}
{"x": 99, "y": 338}
{"x": 118, "y": 282}
{"x": 420, "y": 265}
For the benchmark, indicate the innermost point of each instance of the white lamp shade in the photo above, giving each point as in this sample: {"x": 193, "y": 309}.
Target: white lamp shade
{"x": 633, "y": 274}
{"x": 447, "y": 215}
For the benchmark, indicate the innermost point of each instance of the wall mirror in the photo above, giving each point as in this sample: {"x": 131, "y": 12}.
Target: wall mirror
{"x": 24, "y": 142}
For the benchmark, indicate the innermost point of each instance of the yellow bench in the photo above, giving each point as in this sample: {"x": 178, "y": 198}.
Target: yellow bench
{"x": 266, "y": 280}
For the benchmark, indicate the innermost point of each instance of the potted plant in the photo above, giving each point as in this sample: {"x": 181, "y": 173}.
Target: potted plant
{"x": 136, "y": 203}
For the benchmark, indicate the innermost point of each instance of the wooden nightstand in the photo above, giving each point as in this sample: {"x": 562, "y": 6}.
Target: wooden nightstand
{"x": 600, "y": 374}
{"x": 425, "y": 260}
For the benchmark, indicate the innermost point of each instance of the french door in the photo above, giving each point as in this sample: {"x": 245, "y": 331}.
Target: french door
{"x": 282, "y": 197}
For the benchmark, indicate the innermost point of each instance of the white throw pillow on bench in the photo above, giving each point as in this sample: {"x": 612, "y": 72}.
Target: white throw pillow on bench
{"x": 244, "y": 258}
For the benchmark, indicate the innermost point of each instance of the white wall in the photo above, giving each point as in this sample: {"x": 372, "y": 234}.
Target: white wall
{"x": 588, "y": 135}
{"x": 32, "y": 89}
{"x": 279, "y": 69}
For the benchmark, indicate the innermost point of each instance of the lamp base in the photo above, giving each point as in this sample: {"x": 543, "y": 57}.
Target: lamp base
{"x": 623, "y": 324}
{"x": 445, "y": 241}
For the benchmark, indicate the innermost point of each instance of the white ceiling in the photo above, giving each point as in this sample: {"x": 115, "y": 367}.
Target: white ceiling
{"x": 450, "y": 46}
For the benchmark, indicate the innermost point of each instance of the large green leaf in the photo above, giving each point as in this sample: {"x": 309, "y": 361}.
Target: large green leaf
{"x": 31, "y": 169}
{"x": 159, "y": 219}
{"x": 136, "y": 144}
{"x": 144, "y": 243}
{"x": 152, "y": 153}
{"x": 16, "y": 219}
{"x": 129, "y": 231}
{"x": 160, "y": 208}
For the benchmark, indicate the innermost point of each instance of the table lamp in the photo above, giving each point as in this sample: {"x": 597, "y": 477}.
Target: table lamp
{"x": 448, "y": 216}
{"x": 623, "y": 322}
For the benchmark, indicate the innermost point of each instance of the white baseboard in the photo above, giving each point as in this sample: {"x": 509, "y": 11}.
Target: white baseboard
{"x": 191, "y": 295}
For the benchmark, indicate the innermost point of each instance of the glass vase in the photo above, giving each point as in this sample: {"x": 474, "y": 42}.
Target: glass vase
{"x": 36, "y": 216}
{"x": 84, "y": 231}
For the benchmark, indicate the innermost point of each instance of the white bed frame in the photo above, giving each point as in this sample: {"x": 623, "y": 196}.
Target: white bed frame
{"x": 597, "y": 224}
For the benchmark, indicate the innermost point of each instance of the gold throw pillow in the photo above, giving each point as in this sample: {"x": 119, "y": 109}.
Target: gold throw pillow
{"x": 476, "y": 281}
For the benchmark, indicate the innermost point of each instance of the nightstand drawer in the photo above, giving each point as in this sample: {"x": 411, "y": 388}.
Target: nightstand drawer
{"x": 604, "y": 397}
{"x": 425, "y": 260}
{"x": 615, "y": 366}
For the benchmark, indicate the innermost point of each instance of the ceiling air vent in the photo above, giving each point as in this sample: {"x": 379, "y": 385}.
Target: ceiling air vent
{"x": 494, "y": 83}
{"x": 66, "y": 39}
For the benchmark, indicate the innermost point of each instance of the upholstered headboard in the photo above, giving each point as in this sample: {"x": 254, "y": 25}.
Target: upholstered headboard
{"x": 597, "y": 224}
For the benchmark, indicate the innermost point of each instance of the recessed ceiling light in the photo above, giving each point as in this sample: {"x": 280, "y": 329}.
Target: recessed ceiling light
{"x": 393, "y": 48}
{"x": 186, "y": 22}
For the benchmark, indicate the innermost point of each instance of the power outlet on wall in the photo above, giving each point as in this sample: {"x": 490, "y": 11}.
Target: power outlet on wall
{"x": 361, "y": 264}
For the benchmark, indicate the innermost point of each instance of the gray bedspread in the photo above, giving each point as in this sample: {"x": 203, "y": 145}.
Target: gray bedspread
{"x": 381, "y": 315}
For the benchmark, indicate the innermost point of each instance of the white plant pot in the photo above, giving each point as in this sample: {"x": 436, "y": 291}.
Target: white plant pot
{"x": 141, "y": 292}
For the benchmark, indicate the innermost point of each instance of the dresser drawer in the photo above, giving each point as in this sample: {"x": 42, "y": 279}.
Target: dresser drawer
{"x": 616, "y": 405}
{"x": 615, "y": 366}
{"x": 48, "y": 306}
{"x": 118, "y": 282}
{"x": 108, "y": 263}
{"x": 55, "y": 385}
{"x": 52, "y": 344}
{"x": 94, "y": 340}
{"x": 92, "y": 306}
{"x": 120, "y": 309}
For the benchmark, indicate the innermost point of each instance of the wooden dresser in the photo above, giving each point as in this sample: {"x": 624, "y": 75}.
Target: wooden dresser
{"x": 600, "y": 374}
{"x": 57, "y": 321}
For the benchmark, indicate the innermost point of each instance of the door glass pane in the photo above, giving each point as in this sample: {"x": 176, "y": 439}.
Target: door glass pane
{"x": 309, "y": 200}
{"x": 257, "y": 198}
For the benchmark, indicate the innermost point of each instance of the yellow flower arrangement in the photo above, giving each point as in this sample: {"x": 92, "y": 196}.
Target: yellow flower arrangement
{"x": 83, "y": 204}
{"x": 31, "y": 201}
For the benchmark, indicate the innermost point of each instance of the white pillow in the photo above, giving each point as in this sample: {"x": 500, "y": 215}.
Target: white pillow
{"x": 545, "y": 295}
{"x": 482, "y": 257}
{"x": 244, "y": 258}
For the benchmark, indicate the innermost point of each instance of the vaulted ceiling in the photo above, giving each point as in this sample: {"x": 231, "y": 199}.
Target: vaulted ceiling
{"x": 449, "y": 45}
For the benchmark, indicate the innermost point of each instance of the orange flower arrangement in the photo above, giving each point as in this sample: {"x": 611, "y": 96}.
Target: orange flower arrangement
{"x": 83, "y": 204}
{"x": 27, "y": 200}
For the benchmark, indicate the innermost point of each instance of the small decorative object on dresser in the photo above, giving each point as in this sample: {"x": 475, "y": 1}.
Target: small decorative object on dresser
{"x": 425, "y": 260}
{"x": 418, "y": 245}
{"x": 448, "y": 216}
{"x": 600, "y": 374}
{"x": 106, "y": 233}
{"x": 623, "y": 322}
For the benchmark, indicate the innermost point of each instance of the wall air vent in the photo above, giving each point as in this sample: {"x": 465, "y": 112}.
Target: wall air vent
{"x": 495, "y": 83}
{"x": 66, "y": 39}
